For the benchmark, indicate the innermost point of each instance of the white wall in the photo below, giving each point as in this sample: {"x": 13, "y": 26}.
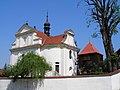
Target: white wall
{"x": 61, "y": 55}
{"x": 77, "y": 83}
{"x": 115, "y": 79}
{"x": 53, "y": 55}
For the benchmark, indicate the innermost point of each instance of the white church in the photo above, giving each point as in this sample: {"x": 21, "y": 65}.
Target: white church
{"x": 59, "y": 51}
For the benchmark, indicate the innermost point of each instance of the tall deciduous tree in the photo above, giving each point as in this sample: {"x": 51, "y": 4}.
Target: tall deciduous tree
{"x": 29, "y": 64}
{"x": 106, "y": 13}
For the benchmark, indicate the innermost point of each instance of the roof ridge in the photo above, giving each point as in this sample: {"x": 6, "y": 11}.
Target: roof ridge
{"x": 57, "y": 35}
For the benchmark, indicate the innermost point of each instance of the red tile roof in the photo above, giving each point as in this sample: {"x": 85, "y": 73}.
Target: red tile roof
{"x": 89, "y": 48}
{"x": 50, "y": 40}
{"x": 42, "y": 35}
{"x": 54, "y": 39}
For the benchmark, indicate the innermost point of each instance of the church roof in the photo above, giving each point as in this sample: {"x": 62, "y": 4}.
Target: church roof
{"x": 89, "y": 48}
{"x": 42, "y": 35}
{"x": 50, "y": 40}
{"x": 45, "y": 39}
{"x": 54, "y": 39}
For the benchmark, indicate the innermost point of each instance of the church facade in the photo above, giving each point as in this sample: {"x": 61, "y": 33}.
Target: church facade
{"x": 59, "y": 51}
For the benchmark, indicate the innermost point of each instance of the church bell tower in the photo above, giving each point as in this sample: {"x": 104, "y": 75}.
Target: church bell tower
{"x": 47, "y": 26}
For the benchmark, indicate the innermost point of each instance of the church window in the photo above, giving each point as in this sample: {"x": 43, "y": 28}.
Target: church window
{"x": 57, "y": 67}
{"x": 70, "y": 52}
{"x": 70, "y": 68}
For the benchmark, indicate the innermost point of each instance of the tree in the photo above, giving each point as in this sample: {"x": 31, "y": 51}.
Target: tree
{"x": 31, "y": 65}
{"x": 105, "y": 13}
{"x": 92, "y": 67}
{"x": 114, "y": 61}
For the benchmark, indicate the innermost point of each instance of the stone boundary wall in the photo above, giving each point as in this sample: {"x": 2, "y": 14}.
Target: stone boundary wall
{"x": 83, "y": 82}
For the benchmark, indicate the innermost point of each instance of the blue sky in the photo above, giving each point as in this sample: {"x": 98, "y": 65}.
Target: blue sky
{"x": 63, "y": 15}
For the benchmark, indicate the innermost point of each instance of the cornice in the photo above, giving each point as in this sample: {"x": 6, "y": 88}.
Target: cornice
{"x": 61, "y": 45}
{"x": 25, "y": 47}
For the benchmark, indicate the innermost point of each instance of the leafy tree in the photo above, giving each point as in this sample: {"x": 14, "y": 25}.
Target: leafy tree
{"x": 29, "y": 65}
{"x": 92, "y": 67}
{"x": 106, "y": 14}
{"x": 114, "y": 61}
